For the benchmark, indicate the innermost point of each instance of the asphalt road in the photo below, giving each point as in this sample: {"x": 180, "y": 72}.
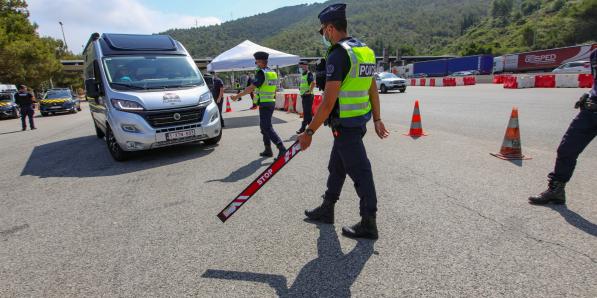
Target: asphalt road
{"x": 453, "y": 220}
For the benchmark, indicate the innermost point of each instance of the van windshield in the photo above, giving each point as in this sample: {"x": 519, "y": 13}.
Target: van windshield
{"x": 151, "y": 72}
{"x": 388, "y": 75}
{"x": 58, "y": 94}
{"x": 5, "y": 97}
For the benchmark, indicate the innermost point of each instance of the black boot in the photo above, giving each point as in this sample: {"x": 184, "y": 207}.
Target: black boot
{"x": 281, "y": 150}
{"x": 267, "y": 152}
{"x": 555, "y": 193}
{"x": 323, "y": 213}
{"x": 366, "y": 228}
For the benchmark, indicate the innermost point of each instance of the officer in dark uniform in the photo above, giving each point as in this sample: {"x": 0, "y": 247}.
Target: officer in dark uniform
{"x": 306, "y": 90}
{"x": 26, "y": 102}
{"x": 265, "y": 85}
{"x": 216, "y": 86}
{"x": 350, "y": 100}
{"x": 580, "y": 133}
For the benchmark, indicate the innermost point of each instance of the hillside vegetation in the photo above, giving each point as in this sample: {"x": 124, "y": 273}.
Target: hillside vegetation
{"x": 422, "y": 27}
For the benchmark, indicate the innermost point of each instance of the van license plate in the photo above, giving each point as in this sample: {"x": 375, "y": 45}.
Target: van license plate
{"x": 180, "y": 134}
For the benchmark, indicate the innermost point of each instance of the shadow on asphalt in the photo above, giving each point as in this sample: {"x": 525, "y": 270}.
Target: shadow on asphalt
{"x": 247, "y": 121}
{"x": 89, "y": 157}
{"x": 331, "y": 274}
{"x": 575, "y": 219}
{"x": 244, "y": 171}
{"x": 6, "y": 133}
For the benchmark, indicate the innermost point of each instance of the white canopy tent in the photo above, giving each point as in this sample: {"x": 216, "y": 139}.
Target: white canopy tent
{"x": 240, "y": 58}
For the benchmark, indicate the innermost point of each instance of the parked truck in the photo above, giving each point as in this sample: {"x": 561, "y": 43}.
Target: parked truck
{"x": 543, "y": 60}
{"x": 479, "y": 64}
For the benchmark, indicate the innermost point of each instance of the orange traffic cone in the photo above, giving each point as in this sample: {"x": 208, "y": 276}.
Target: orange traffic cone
{"x": 511, "y": 147}
{"x": 228, "y": 107}
{"x": 416, "y": 128}
{"x": 292, "y": 105}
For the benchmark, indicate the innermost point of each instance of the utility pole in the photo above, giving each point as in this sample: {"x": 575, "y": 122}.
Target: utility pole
{"x": 63, "y": 37}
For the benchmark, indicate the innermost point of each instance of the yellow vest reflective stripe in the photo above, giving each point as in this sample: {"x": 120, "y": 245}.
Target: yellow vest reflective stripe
{"x": 353, "y": 100}
{"x": 267, "y": 91}
{"x": 305, "y": 86}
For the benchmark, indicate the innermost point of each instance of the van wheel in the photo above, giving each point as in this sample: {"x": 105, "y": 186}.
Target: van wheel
{"x": 117, "y": 153}
{"x": 384, "y": 89}
{"x": 98, "y": 131}
{"x": 213, "y": 141}
{"x": 402, "y": 90}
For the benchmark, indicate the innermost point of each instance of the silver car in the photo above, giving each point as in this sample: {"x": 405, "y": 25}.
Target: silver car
{"x": 146, "y": 92}
{"x": 580, "y": 67}
{"x": 389, "y": 81}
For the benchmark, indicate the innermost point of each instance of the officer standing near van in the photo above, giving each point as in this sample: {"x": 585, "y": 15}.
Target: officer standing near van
{"x": 350, "y": 100}
{"x": 580, "y": 133}
{"x": 306, "y": 90}
{"x": 265, "y": 85}
{"x": 217, "y": 92}
{"x": 25, "y": 101}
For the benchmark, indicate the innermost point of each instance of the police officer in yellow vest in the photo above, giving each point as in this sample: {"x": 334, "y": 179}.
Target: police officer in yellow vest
{"x": 306, "y": 90}
{"x": 350, "y": 100}
{"x": 264, "y": 86}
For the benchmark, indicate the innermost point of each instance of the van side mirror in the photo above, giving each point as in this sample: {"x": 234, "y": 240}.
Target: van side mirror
{"x": 91, "y": 88}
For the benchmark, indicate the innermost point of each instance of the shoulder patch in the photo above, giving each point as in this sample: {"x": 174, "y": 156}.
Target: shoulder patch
{"x": 330, "y": 68}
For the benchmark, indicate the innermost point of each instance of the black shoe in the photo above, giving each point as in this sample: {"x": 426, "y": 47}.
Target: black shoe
{"x": 555, "y": 193}
{"x": 300, "y": 131}
{"x": 24, "y": 129}
{"x": 324, "y": 213}
{"x": 32, "y": 128}
{"x": 281, "y": 150}
{"x": 267, "y": 152}
{"x": 366, "y": 228}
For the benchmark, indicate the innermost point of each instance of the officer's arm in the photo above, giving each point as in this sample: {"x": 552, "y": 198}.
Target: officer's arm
{"x": 330, "y": 95}
{"x": 247, "y": 90}
{"x": 374, "y": 97}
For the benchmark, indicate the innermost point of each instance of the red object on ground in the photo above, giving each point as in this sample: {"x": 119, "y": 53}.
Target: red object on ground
{"x": 413, "y": 82}
{"x": 468, "y": 81}
{"x": 432, "y": 82}
{"x": 416, "y": 127}
{"x": 292, "y": 106}
{"x": 585, "y": 81}
{"x": 510, "y": 82}
{"x": 259, "y": 182}
{"x": 286, "y": 101}
{"x": 422, "y": 82}
{"x": 449, "y": 82}
{"x": 228, "y": 107}
{"x": 545, "y": 81}
{"x": 511, "y": 147}
{"x": 316, "y": 103}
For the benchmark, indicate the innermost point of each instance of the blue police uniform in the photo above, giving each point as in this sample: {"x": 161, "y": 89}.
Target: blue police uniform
{"x": 348, "y": 156}
{"x": 25, "y": 102}
{"x": 266, "y": 112}
{"x": 580, "y": 133}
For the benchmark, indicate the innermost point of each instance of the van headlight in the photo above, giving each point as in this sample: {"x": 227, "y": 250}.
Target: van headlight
{"x": 126, "y": 105}
{"x": 205, "y": 99}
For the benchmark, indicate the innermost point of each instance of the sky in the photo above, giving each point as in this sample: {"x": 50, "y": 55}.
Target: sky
{"x": 80, "y": 18}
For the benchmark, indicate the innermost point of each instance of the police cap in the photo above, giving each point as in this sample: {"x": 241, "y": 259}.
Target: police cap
{"x": 332, "y": 13}
{"x": 261, "y": 56}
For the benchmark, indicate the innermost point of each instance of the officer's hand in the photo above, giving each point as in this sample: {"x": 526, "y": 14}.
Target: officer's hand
{"x": 234, "y": 97}
{"x": 304, "y": 141}
{"x": 381, "y": 130}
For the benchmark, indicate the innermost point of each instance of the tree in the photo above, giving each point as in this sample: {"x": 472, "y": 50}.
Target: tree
{"x": 528, "y": 36}
{"x": 26, "y": 57}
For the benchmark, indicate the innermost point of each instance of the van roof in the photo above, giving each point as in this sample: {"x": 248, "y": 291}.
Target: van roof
{"x": 119, "y": 44}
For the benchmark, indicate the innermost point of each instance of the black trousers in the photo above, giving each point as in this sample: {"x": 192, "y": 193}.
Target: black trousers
{"x": 580, "y": 133}
{"x": 220, "y": 107}
{"x": 307, "y": 110}
{"x": 349, "y": 157}
{"x": 27, "y": 111}
{"x": 267, "y": 129}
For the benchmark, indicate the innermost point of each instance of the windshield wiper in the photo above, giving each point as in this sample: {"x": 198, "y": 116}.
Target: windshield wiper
{"x": 129, "y": 86}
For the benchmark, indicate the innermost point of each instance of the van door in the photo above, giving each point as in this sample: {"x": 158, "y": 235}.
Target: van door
{"x": 98, "y": 106}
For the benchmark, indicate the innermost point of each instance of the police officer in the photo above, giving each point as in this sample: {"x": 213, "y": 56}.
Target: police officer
{"x": 306, "y": 90}
{"x": 26, "y": 102}
{"x": 579, "y": 134}
{"x": 350, "y": 100}
{"x": 264, "y": 85}
{"x": 217, "y": 91}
